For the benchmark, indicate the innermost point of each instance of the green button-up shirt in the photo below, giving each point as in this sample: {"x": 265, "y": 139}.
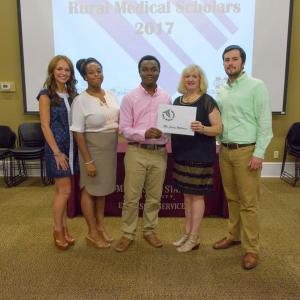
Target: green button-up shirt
{"x": 246, "y": 113}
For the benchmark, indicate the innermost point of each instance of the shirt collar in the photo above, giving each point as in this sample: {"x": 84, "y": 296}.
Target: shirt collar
{"x": 156, "y": 92}
{"x": 237, "y": 81}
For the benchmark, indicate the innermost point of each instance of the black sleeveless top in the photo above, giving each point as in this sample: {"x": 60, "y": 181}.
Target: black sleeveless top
{"x": 200, "y": 147}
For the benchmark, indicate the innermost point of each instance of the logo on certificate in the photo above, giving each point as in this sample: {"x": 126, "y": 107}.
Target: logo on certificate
{"x": 168, "y": 115}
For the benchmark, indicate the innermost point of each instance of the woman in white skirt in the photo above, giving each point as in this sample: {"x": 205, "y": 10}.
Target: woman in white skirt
{"x": 95, "y": 114}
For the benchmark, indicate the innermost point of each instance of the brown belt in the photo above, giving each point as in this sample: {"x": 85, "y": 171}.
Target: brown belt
{"x": 232, "y": 146}
{"x": 147, "y": 146}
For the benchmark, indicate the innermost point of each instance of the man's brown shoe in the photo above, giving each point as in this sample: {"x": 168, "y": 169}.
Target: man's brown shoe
{"x": 123, "y": 244}
{"x": 225, "y": 243}
{"x": 250, "y": 261}
{"x": 153, "y": 240}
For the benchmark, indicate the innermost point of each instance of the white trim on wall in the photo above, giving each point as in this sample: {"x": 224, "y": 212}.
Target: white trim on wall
{"x": 272, "y": 169}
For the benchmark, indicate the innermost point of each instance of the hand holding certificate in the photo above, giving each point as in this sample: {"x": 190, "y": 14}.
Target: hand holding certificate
{"x": 176, "y": 119}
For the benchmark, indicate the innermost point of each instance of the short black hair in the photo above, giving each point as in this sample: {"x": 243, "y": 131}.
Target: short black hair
{"x": 235, "y": 47}
{"x": 83, "y": 62}
{"x": 148, "y": 57}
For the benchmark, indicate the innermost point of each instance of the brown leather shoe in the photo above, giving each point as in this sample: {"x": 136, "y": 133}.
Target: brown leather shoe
{"x": 250, "y": 261}
{"x": 225, "y": 243}
{"x": 123, "y": 244}
{"x": 153, "y": 240}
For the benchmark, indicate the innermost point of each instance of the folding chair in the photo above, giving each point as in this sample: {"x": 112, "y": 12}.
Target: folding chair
{"x": 31, "y": 148}
{"x": 7, "y": 141}
{"x": 292, "y": 148}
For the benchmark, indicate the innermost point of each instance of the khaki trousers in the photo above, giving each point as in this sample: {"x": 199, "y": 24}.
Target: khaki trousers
{"x": 242, "y": 191}
{"x": 143, "y": 169}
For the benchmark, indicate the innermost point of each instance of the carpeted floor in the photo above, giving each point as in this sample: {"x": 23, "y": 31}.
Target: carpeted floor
{"x": 31, "y": 268}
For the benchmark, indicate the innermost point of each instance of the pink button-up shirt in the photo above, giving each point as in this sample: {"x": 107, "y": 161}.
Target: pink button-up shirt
{"x": 138, "y": 113}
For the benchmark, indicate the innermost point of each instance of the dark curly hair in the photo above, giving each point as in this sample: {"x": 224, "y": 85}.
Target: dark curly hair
{"x": 82, "y": 64}
{"x": 148, "y": 57}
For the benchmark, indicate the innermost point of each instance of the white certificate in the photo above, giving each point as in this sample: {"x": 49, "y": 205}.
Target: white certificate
{"x": 176, "y": 119}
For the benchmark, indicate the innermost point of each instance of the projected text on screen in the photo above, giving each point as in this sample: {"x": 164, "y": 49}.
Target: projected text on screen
{"x": 178, "y": 33}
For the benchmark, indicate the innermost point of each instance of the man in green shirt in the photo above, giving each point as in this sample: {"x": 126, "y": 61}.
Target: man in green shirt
{"x": 247, "y": 130}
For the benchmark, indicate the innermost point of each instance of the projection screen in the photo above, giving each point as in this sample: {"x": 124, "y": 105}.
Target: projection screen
{"x": 178, "y": 32}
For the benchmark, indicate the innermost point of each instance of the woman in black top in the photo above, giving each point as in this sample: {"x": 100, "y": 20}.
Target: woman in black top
{"x": 194, "y": 155}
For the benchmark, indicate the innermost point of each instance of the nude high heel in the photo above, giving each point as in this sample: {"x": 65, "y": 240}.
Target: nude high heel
{"x": 182, "y": 240}
{"x": 70, "y": 240}
{"x": 100, "y": 244}
{"x": 105, "y": 235}
{"x": 59, "y": 240}
{"x": 192, "y": 243}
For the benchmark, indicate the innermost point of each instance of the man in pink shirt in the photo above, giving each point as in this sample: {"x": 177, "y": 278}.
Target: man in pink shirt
{"x": 146, "y": 157}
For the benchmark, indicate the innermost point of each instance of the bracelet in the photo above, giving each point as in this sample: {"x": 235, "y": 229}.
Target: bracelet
{"x": 203, "y": 129}
{"x": 89, "y": 162}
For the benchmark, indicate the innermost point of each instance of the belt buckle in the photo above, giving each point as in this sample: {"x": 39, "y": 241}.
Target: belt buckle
{"x": 147, "y": 146}
{"x": 232, "y": 146}
{"x": 154, "y": 146}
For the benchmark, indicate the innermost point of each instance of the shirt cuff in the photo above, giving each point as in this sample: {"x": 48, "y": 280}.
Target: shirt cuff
{"x": 139, "y": 136}
{"x": 259, "y": 153}
{"x": 76, "y": 129}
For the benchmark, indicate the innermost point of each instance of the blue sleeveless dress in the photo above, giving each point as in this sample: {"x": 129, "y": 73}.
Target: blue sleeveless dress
{"x": 60, "y": 118}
